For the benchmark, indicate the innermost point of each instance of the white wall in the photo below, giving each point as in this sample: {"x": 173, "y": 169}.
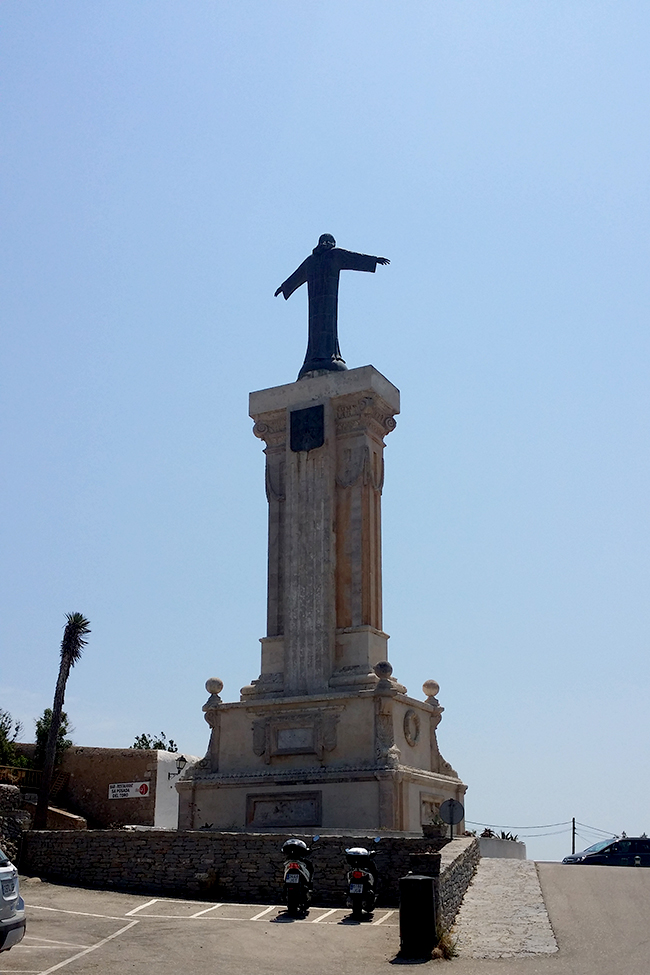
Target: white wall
{"x": 166, "y": 807}
{"x": 509, "y": 849}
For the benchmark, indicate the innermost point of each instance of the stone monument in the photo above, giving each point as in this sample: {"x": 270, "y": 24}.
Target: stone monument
{"x": 325, "y": 736}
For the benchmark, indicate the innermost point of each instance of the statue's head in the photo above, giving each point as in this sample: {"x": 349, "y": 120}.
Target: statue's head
{"x": 326, "y": 241}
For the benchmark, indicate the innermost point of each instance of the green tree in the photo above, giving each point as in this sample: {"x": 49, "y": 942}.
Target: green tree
{"x": 43, "y": 725}
{"x": 9, "y": 731}
{"x": 156, "y": 742}
{"x": 72, "y": 645}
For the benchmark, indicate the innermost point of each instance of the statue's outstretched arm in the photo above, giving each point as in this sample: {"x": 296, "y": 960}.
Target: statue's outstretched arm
{"x": 351, "y": 261}
{"x": 294, "y": 280}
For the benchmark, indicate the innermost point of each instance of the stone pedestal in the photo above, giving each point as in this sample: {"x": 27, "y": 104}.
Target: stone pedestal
{"x": 325, "y": 736}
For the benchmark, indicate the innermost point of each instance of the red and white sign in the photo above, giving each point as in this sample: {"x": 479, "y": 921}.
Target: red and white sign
{"x": 128, "y": 790}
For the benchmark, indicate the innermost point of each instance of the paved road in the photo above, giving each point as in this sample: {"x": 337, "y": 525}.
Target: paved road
{"x": 601, "y": 920}
{"x": 600, "y": 916}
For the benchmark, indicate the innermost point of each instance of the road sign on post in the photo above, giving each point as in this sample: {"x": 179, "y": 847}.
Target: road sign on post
{"x": 452, "y": 812}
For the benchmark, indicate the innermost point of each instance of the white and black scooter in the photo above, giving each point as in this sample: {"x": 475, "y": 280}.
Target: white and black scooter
{"x": 362, "y": 880}
{"x": 298, "y": 876}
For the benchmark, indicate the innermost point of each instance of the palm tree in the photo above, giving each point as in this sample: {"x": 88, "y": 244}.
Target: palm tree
{"x": 72, "y": 646}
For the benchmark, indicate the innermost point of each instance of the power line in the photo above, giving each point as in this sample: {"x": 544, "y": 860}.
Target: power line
{"x": 585, "y": 839}
{"x": 540, "y": 826}
{"x": 600, "y": 836}
{"x": 556, "y": 832}
{"x": 595, "y": 829}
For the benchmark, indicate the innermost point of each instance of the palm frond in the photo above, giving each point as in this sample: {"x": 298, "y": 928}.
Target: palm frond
{"x": 73, "y": 641}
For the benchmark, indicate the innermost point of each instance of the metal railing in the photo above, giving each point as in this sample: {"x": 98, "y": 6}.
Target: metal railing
{"x": 25, "y": 778}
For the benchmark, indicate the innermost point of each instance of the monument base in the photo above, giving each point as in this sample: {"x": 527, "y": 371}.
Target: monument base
{"x": 363, "y": 760}
{"x": 399, "y": 799}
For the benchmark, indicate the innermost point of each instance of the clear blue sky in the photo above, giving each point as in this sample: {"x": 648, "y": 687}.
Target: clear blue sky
{"x": 164, "y": 166}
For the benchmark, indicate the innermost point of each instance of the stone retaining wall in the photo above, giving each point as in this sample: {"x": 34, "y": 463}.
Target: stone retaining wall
{"x": 230, "y": 866}
{"x": 458, "y": 863}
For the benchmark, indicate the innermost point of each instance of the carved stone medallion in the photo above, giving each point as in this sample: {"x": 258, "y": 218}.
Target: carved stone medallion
{"x": 411, "y": 727}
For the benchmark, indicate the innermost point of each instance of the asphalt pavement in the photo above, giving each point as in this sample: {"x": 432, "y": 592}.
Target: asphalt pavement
{"x": 600, "y": 918}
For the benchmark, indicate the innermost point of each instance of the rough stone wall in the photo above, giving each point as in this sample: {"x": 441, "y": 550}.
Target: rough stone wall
{"x": 225, "y": 866}
{"x": 13, "y": 820}
{"x": 459, "y": 861}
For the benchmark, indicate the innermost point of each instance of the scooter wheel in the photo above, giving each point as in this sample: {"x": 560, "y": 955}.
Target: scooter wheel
{"x": 294, "y": 903}
{"x": 357, "y": 906}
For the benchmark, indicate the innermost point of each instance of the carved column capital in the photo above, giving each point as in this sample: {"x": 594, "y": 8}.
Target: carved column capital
{"x": 367, "y": 413}
{"x": 271, "y": 428}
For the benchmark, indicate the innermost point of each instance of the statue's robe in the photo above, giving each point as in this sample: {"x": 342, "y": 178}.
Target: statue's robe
{"x": 321, "y": 272}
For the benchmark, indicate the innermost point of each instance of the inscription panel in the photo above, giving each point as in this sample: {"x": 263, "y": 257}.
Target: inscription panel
{"x": 284, "y": 809}
{"x": 295, "y": 740}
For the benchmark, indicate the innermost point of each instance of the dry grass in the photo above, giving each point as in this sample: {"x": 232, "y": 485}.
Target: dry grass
{"x": 447, "y": 946}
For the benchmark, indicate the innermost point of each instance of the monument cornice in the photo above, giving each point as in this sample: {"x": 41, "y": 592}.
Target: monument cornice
{"x": 311, "y": 702}
{"x": 329, "y": 386}
{"x": 312, "y": 775}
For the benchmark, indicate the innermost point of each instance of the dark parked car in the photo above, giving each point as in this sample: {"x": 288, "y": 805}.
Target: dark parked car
{"x": 631, "y": 851}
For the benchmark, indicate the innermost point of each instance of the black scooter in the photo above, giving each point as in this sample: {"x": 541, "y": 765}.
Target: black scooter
{"x": 298, "y": 876}
{"x": 362, "y": 880}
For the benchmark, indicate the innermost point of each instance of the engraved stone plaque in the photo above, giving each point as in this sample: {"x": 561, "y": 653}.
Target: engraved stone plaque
{"x": 284, "y": 809}
{"x": 308, "y": 428}
{"x": 295, "y": 739}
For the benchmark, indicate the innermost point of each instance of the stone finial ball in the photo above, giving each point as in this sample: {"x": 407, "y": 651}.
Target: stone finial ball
{"x": 431, "y": 688}
{"x": 213, "y": 685}
{"x": 383, "y": 669}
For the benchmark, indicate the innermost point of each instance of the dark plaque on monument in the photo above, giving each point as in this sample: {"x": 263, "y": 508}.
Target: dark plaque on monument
{"x": 308, "y": 428}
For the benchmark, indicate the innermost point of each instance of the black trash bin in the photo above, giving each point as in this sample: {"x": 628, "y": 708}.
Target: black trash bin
{"x": 417, "y": 916}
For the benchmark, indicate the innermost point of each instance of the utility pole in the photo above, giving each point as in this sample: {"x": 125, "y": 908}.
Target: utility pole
{"x": 573, "y": 835}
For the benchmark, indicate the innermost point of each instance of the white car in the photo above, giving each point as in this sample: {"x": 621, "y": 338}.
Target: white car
{"x": 12, "y": 906}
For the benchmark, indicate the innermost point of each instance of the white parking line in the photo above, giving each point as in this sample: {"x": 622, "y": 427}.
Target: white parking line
{"x": 49, "y": 941}
{"x": 205, "y": 914}
{"x": 186, "y": 917}
{"x": 384, "y": 918}
{"x": 207, "y": 910}
{"x": 142, "y": 907}
{"x": 317, "y": 919}
{"x": 262, "y": 913}
{"x": 87, "y": 951}
{"x": 60, "y": 910}
{"x": 24, "y": 947}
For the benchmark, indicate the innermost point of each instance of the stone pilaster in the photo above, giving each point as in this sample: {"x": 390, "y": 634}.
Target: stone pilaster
{"x": 324, "y": 438}
{"x": 362, "y": 421}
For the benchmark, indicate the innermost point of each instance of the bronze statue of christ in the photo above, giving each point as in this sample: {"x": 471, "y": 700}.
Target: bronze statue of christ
{"x": 321, "y": 272}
